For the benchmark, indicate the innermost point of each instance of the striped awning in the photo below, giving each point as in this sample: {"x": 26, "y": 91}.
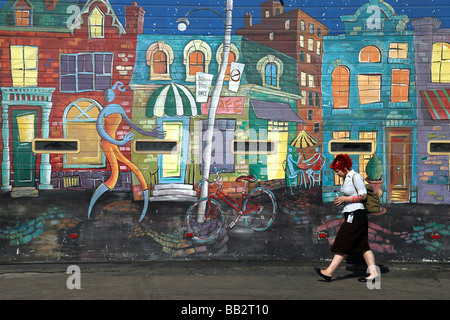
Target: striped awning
{"x": 438, "y": 103}
{"x": 172, "y": 100}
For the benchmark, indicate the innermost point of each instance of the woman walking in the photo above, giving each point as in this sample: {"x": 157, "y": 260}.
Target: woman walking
{"x": 352, "y": 236}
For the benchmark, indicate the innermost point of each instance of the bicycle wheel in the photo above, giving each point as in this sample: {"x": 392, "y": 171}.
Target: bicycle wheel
{"x": 262, "y": 208}
{"x": 213, "y": 224}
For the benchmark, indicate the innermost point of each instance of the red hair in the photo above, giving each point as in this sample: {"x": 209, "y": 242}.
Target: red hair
{"x": 341, "y": 162}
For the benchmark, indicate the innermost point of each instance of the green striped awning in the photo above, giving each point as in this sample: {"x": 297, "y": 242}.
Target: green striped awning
{"x": 172, "y": 100}
{"x": 438, "y": 103}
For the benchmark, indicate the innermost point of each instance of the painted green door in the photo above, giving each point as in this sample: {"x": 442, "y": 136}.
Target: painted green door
{"x": 23, "y": 133}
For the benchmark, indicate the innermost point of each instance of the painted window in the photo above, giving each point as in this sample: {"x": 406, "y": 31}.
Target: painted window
{"x": 233, "y": 57}
{"x": 80, "y": 118}
{"x": 369, "y": 86}
{"x": 196, "y": 62}
{"x": 311, "y": 81}
{"x": 23, "y": 17}
{"x": 302, "y": 40}
{"x": 311, "y": 44}
{"x": 303, "y": 79}
{"x": 270, "y": 68}
{"x": 197, "y": 56}
{"x": 271, "y": 74}
{"x": 287, "y": 24}
{"x": 400, "y": 85}
{"x": 318, "y": 45}
{"x": 364, "y": 159}
{"x": 24, "y": 66}
{"x": 159, "y": 57}
{"x": 340, "y": 79}
{"x": 160, "y": 62}
{"x": 370, "y": 54}
{"x": 440, "y": 65}
{"x": 96, "y": 20}
{"x": 398, "y": 50}
{"x": 340, "y": 135}
{"x": 85, "y": 72}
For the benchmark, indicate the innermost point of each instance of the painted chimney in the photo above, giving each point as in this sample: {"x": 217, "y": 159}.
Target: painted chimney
{"x": 248, "y": 20}
{"x": 50, "y": 4}
{"x": 134, "y": 18}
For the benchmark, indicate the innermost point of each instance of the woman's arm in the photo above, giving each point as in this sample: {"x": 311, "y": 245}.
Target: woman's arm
{"x": 361, "y": 190}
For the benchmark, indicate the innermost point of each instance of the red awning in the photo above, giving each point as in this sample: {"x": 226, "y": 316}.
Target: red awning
{"x": 438, "y": 103}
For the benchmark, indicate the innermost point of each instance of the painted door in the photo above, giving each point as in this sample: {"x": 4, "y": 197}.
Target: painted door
{"x": 275, "y": 161}
{"x": 24, "y": 160}
{"x": 172, "y": 167}
{"x": 399, "y": 160}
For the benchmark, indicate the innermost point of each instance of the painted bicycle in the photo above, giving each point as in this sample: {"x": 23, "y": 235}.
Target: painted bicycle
{"x": 257, "y": 208}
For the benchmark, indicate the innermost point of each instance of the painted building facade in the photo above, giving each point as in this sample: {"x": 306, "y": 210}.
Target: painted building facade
{"x": 432, "y": 52}
{"x": 299, "y": 35}
{"x": 368, "y": 90}
{"x": 57, "y": 88}
{"x": 261, "y": 110}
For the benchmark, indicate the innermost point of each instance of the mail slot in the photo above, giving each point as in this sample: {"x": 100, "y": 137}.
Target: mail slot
{"x": 360, "y": 147}
{"x": 440, "y": 147}
{"x": 41, "y": 145}
{"x": 155, "y": 146}
{"x": 253, "y": 147}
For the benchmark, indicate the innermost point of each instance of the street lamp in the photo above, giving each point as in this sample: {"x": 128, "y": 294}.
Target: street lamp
{"x": 183, "y": 23}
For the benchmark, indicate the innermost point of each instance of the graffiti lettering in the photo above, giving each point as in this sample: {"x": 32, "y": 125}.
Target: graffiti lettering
{"x": 374, "y": 21}
{"x": 74, "y": 280}
{"x": 74, "y": 21}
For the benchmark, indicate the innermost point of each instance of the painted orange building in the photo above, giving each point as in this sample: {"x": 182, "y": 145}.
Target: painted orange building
{"x": 300, "y": 36}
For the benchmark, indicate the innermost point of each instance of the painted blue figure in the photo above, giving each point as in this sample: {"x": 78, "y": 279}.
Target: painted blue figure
{"x": 108, "y": 122}
{"x": 294, "y": 168}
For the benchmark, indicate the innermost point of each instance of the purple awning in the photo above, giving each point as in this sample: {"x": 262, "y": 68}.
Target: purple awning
{"x": 277, "y": 111}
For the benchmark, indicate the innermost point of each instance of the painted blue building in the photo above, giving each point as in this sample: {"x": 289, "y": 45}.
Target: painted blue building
{"x": 368, "y": 90}
{"x": 166, "y": 94}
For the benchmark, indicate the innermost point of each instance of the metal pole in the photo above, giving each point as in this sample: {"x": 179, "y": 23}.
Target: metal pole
{"x": 212, "y": 111}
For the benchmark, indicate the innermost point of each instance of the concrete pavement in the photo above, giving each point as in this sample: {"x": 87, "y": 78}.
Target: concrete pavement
{"x": 236, "y": 281}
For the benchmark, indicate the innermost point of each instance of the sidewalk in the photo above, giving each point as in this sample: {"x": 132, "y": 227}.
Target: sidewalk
{"x": 221, "y": 280}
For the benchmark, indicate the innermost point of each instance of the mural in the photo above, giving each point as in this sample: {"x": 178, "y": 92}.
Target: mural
{"x": 144, "y": 101}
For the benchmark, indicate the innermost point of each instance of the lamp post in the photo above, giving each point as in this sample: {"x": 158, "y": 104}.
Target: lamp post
{"x": 183, "y": 23}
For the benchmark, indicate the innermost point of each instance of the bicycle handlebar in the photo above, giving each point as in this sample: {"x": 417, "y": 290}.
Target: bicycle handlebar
{"x": 216, "y": 180}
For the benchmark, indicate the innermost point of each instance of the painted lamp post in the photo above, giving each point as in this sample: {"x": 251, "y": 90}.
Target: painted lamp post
{"x": 183, "y": 23}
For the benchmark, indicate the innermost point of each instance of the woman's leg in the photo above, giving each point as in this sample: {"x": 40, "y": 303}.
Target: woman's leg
{"x": 370, "y": 261}
{"x": 337, "y": 259}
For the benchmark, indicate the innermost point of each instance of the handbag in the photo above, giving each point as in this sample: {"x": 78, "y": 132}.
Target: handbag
{"x": 372, "y": 202}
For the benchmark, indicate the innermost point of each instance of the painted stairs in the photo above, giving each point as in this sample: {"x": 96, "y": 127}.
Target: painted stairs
{"x": 173, "y": 192}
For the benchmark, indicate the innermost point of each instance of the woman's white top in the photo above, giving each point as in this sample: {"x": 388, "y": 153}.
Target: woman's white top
{"x": 348, "y": 189}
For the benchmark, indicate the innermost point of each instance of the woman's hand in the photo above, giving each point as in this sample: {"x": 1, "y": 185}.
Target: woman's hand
{"x": 339, "y": 200}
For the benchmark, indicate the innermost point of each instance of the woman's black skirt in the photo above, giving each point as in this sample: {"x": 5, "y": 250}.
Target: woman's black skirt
{"x": 353, "y": 237}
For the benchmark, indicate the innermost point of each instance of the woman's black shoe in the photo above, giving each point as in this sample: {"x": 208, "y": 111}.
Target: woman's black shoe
{"x": 365, "y": 279}
{"x": 328, "y": 278}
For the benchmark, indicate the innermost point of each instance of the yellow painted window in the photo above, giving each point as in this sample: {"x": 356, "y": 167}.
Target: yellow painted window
{"x": 369, "y": 86}
{"x": 340, "y": 135}
{"x": 26, "y": 128}
{"x": 96, "y": 23}
{"x": 24, "y": 66}
{"x": 364, "y": 159}
{"x": 440, "y": 65}
{"x": 398, "y": 50}
{"x": 81, "y": 119}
